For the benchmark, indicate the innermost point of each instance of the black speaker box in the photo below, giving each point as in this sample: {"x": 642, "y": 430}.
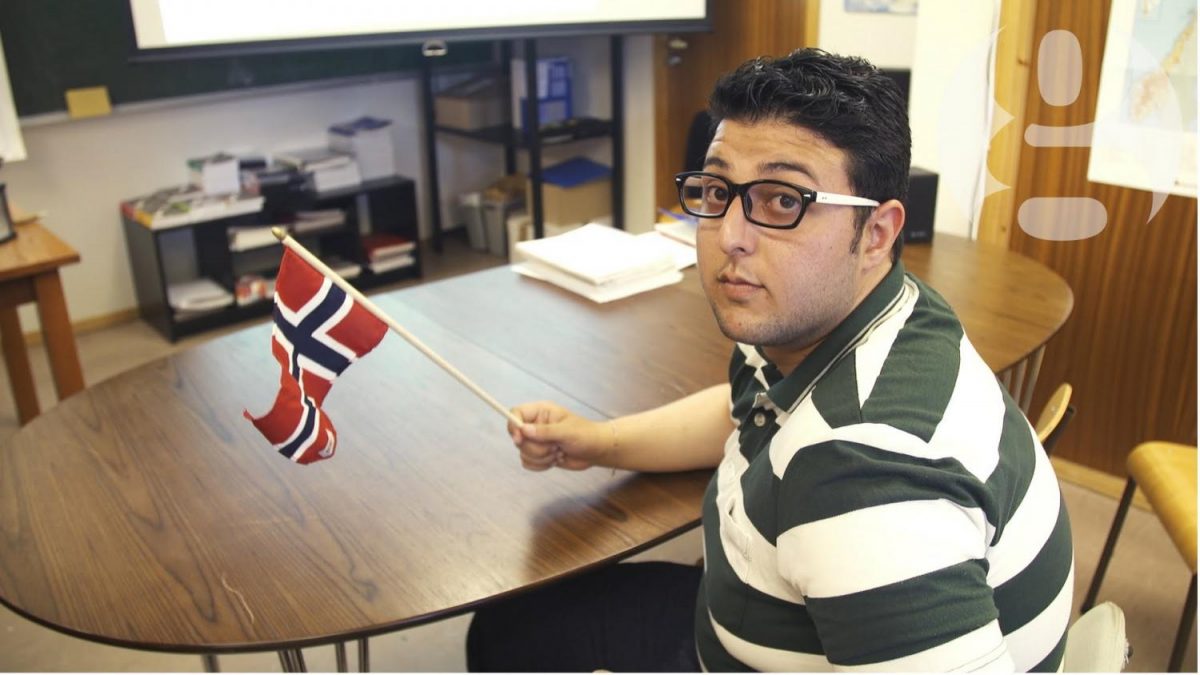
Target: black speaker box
{"x": 919, "y": 207}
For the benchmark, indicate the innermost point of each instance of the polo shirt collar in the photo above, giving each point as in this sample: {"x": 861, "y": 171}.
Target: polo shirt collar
{"x": 786, "y": 392}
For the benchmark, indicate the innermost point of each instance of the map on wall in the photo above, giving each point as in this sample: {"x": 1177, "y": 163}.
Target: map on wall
{"x": 882, "y": 6}
{"x": 1145, "y": 129}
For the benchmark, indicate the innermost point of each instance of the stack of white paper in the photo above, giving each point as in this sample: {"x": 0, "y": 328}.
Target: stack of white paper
{"x": 598, "y": 262}
{"x": 679, "y": 230}
{"x": 198, "y": 295}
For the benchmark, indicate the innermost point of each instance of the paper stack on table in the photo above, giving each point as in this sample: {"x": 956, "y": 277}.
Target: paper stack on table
{"x": 598, "y": 262}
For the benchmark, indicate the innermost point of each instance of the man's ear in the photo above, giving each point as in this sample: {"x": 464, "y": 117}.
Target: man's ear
{"x": 881, "y": 231}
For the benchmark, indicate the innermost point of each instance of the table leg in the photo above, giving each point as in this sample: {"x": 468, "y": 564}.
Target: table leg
{"x": 60, "y": 339}
{"x": 292, "y": 661}
{"x": 339, "y": 651}
{"x": 364, "y": 662}
{"x": 210, "y": 663}
{"x": 16, "y": 358}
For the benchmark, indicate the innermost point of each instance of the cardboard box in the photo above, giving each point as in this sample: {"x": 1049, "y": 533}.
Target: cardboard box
{"x": 472, "y": 105}
{"x": 574, "y": 192}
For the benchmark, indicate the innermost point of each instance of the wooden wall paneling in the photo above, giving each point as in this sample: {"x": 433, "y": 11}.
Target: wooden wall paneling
{"x": 1130, "y": 346}
{"x": 1014, "y": 47}
{"x": 742, "y": 29}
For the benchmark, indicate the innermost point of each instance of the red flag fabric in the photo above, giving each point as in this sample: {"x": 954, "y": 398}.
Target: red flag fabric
{"x": 319, "y": 331}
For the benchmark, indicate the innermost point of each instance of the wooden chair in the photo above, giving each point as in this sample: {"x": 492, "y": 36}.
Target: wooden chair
{"x": 1166, "y": 473}
{"x": 1057, "y": 412}
{"x": 1021, "y": 378}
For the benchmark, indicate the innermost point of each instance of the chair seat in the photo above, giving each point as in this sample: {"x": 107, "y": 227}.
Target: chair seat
{"x": 1166, "y": 473}
{"x": 1096, "y": 642}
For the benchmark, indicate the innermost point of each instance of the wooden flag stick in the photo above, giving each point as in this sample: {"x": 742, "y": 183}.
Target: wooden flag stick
{"x": 286, "y": 239}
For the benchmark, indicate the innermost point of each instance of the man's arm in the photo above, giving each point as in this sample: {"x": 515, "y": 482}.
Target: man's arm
{"x": 686, "y": 434}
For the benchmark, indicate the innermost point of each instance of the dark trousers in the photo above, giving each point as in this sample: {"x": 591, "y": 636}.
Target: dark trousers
{"x": 631, "y": 617}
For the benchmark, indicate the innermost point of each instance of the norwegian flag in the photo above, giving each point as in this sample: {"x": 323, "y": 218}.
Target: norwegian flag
{"x": 319, "y": 331}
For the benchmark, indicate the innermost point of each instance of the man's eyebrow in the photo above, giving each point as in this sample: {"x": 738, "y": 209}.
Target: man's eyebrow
{"x": 773, "y": 167}
{"x": 715, "y": 162}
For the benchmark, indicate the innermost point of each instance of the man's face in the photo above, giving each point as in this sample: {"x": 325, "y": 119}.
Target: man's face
{"x": 784, "y": 290}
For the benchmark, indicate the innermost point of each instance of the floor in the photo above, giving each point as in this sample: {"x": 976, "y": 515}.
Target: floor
{"x": 1147, "y": 578}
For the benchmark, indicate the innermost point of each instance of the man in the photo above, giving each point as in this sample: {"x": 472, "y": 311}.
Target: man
{"x": 879, "y": 501}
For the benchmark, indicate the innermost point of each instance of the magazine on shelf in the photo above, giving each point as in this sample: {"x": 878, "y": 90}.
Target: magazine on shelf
{"x": 184, "y": 205}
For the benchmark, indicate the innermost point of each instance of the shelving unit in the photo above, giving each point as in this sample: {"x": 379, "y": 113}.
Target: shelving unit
{"x": 390, "y": 205}
{"x": 531, "y": 139}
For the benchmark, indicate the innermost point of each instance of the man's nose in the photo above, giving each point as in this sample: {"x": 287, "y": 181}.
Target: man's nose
{"x": 737, "y": 234}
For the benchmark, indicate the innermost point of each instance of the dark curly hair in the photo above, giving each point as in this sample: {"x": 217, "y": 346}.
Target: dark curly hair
{"x": 845, "y": 100}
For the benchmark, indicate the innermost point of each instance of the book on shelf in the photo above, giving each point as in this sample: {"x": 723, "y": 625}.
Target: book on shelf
{"x": 346, "y": 269}
{"x": 184, "y": 205}
{"x": 381, "y": 245}
{"x": 335, "y": 178}
{"x": 310, "y": 159}
{"x": 314, "y": 221}
{"x": 252, "y": 237}
{"x": 198, "y": 295}
{"x": 390, "y": 263}
{"x": 598, "y": 262}
{"x": 326, "y": 168}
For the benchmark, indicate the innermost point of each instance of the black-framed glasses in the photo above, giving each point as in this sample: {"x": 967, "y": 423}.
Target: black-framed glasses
{"x": 768, "y": 203}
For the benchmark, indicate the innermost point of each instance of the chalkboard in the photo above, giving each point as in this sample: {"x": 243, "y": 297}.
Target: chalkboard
{"x": 55, "y": 45}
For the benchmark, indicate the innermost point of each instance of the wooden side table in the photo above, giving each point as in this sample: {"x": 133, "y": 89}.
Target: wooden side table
{"x": 29, "y": 273}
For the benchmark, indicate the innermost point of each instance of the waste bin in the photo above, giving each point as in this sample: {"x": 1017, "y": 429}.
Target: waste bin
{"x": 495, "y": 218}
{"x": 470, "y": 213}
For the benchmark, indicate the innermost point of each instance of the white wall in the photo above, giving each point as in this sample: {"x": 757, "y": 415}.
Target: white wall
{"x": 949, "y": 105}
{"x": 78, "y": 171}
{"x": 946, "y": 47}
{"x": 886, "y": 40}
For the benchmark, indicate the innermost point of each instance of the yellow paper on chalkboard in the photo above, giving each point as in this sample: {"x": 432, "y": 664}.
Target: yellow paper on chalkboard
{"x": 88, "y": 102}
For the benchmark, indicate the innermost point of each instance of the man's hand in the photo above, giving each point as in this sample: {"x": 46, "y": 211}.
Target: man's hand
{"x": 554, "y": 436}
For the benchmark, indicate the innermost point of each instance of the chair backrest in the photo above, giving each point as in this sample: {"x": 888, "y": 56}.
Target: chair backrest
{"x": 1057, "y": 412}
{"x": 1021, "y": 378}
{"x": 1096, "y": 642}
{"x": 700, "y": 134}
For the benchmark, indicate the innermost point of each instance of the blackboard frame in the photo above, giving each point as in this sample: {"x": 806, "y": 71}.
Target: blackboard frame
{"x": 417, "y": 37}
{"x": 52, "y": 46}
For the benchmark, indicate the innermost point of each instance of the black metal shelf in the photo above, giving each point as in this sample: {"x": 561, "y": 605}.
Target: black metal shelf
{"x": 579, "y": 129}
{"x": 527, "y": 140}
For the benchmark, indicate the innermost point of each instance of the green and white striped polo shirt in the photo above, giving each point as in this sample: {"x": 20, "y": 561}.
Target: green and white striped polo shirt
{"x": 886, "y": 506}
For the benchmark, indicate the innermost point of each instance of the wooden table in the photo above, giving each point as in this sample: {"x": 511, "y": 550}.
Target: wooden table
{"x": 145, "y": 512}
{"x": 29, "y": 273}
